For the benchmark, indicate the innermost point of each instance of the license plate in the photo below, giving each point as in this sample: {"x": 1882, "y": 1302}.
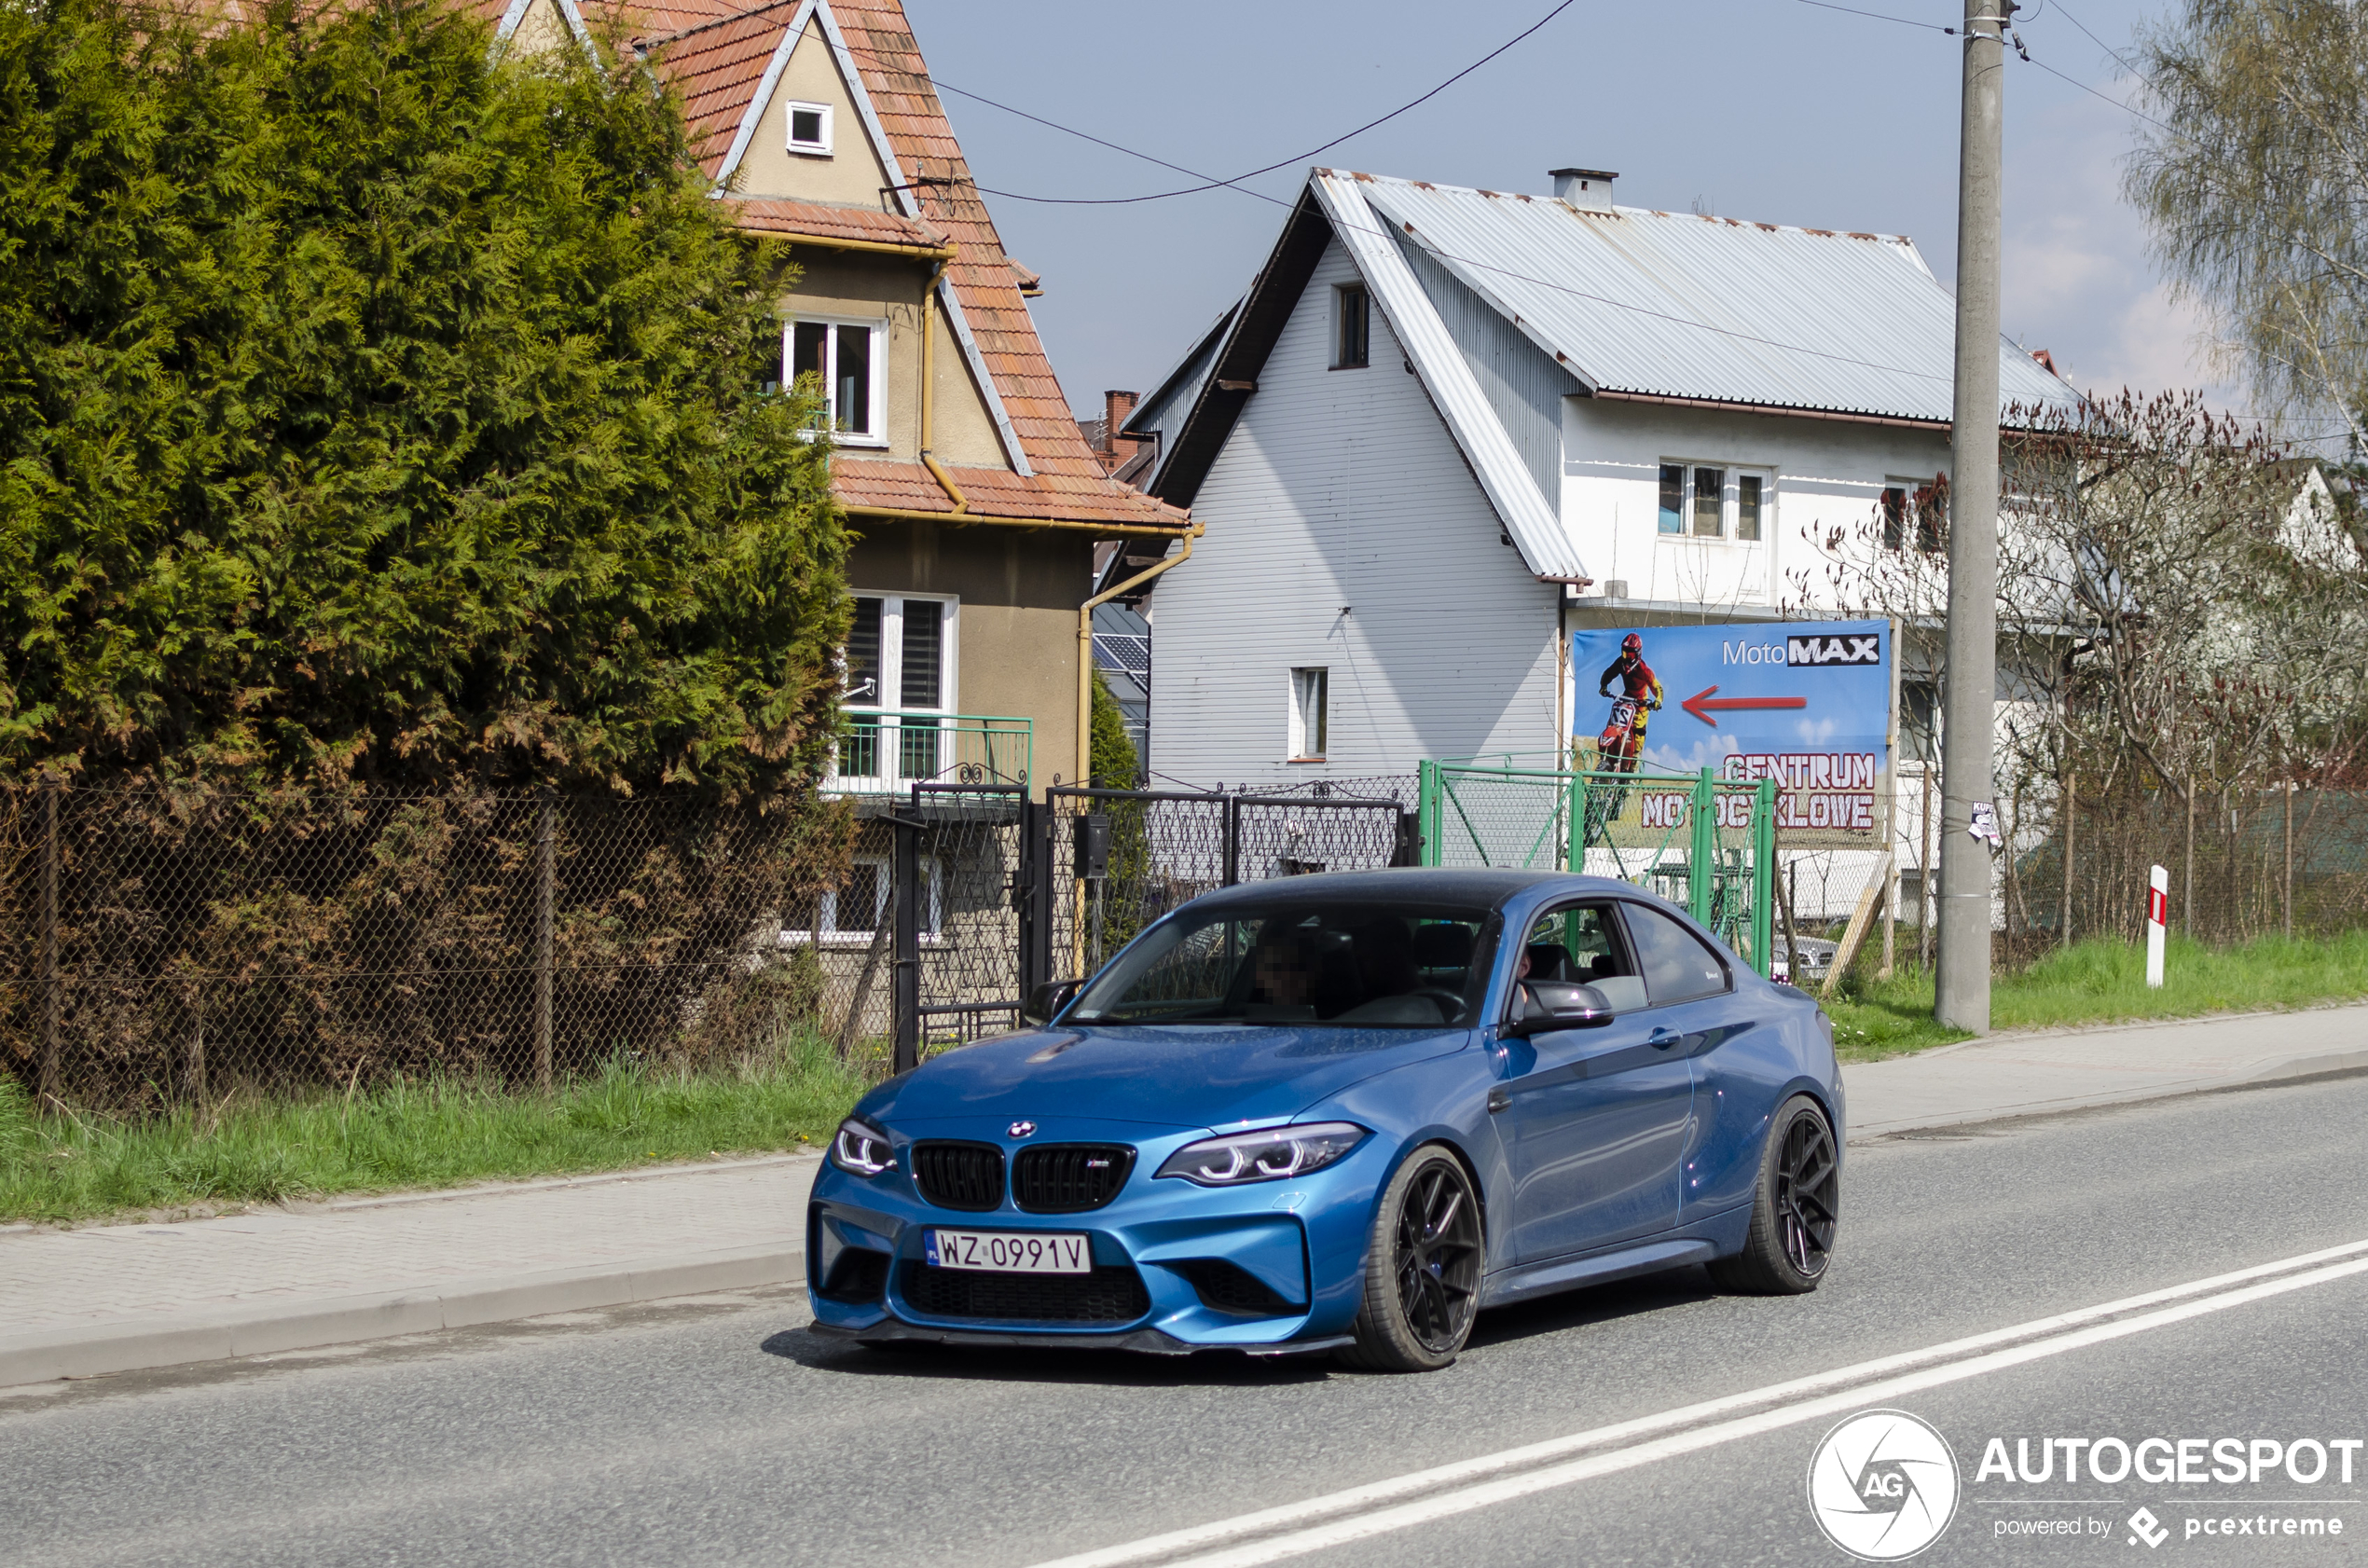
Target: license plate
{"x": 1004, "y": 1252}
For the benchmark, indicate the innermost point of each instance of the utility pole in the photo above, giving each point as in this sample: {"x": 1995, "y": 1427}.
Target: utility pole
{"x": 1962, "y": 993}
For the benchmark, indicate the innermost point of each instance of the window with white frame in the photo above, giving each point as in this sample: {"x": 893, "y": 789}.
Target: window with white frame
{"x": 1705, "y": 500}
{"x": 852, "y": 913}
{"x": 848, "y": 361}
{"x": 1917, "y": 510}
{"x": 810, "y": 129}
{"x": 1310, "y": 713}
{"x": 899, "y": 673}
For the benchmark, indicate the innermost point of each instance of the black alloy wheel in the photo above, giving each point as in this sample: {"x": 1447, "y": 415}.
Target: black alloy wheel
{"x": 1421, "y": 1268}
{"x": 1797, "y": 1209}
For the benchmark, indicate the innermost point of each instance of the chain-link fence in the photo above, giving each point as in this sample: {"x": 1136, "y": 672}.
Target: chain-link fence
{"x": 167, "y": 948}
{"x": 1120, "y": 859}
{"x": 1698, "y": 841}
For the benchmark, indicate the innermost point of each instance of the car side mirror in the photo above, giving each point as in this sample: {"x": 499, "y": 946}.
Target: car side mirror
{"x": 1559, "y": 1004}
{"x": 1048, "y": 999}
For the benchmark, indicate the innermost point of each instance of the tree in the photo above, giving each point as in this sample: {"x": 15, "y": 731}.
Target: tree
{"x": 1110, "y": 750}
{"x": 372, "y": 410}
{"x": 2254, "y": 184}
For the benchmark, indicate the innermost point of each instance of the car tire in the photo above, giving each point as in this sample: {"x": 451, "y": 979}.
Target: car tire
{"x": 1796, "y": 1210}
{"x": 1424, "y": 1258}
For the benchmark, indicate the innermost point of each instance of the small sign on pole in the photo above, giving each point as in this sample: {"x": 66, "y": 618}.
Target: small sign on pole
{"x": 2158, "y": 917}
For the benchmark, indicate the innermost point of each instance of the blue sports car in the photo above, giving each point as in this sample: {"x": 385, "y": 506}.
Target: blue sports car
{"x": 1344, "y": 1112}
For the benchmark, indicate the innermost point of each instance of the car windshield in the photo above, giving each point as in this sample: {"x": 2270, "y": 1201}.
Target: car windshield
{"x": 1361, "y": 963}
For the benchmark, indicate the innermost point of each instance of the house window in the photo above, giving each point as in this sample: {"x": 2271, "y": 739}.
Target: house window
{"x": 1710, "y": 496}
{"x": 846, "y": 359}
{"x": 1310, "y": 702}
{"x": 810, "y": 129}
{"x": 899, "y": 678}
{"x": 1919, "y": 719}
{"x": 1351, "y": 337}
{"x": 1915, "y": 507}
{"x": 854, "y": 912}
{"x": 1706, "y": 503}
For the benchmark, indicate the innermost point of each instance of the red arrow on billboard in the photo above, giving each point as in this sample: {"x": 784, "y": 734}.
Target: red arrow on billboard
{"x": 1702, "y": 708}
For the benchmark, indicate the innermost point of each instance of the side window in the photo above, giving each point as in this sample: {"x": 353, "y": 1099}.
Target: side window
{"x": 1582, "y": 943}
{"x": 1675, "y": 964}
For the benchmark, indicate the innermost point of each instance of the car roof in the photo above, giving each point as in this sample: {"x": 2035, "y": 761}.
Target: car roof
{"x": 1488, "y": 886}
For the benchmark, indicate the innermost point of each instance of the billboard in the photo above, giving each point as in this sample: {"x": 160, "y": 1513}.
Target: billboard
{"x": 1806, "y": 703}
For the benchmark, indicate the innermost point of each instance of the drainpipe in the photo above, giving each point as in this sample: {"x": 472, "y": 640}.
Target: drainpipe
{"x": 1085, "y": 650}
{"x": 928, "y": 389}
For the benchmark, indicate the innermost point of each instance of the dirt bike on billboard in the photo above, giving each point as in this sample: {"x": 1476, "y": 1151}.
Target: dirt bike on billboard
{"x": 1616, "y": 752}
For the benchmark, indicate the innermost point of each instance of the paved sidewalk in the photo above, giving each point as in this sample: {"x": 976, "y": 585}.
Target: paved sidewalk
{"x": 2069, "y": 1069}
{"x": 114, "y": 1298}
{"x": 111, "y": 1299}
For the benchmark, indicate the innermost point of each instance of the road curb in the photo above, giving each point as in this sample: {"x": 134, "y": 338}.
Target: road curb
{"x": 95, "y": 1350}
{"x": 2324, "y": 1065}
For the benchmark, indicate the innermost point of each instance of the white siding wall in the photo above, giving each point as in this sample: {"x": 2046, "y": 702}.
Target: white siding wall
{"x": 1343, "y": 488}
{"x": 1828, "y": 474}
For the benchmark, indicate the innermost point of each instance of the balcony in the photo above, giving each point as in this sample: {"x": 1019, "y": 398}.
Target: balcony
{"x": 887, "y": 751}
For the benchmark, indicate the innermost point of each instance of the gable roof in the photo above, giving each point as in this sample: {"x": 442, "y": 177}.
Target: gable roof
{"x": 1633, "y": 304}
{"x": 1709, "y": 309}
{"x": 726, "y": 68}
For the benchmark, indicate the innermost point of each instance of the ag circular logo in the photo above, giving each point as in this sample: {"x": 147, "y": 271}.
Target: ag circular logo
{"x": 1883, "y": 1485}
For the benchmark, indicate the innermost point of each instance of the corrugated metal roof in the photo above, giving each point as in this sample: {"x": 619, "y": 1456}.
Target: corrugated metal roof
{"x": 1528, "y": 520}
{"x": 1676, "y": 305}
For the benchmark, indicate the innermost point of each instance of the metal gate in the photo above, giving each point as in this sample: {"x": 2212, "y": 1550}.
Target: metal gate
{"x": 1697, "y": 840}
{"x": 994, "y": 894}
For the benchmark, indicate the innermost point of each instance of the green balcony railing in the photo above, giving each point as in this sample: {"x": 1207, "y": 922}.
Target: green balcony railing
{"x": 887, "y": 752}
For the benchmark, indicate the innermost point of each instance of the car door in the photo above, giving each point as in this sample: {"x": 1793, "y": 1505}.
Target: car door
{"x": 1692, "y": 988}
{"x": 1592, "y": 1121}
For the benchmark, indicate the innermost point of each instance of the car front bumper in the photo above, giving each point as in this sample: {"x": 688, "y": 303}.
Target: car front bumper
{"x": 1268, "y": 1267}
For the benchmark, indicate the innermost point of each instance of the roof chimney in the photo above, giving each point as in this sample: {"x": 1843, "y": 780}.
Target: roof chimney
{"x": 1590, "y": 190}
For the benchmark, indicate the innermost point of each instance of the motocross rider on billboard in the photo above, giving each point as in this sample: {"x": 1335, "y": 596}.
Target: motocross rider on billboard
{"x": 1638, "y": 683}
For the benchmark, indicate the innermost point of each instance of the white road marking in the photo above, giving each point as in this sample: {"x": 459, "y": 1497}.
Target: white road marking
{"x": 1800, "y": 1400}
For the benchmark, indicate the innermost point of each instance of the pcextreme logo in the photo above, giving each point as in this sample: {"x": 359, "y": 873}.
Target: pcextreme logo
{"x": 1882, "y": 1485}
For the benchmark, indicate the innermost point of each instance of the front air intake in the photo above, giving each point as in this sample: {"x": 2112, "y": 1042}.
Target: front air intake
{"x": 959, "y": 1176}
{"x": 1070, "y": 1177}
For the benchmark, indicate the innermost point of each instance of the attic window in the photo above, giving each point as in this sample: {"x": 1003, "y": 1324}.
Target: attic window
{"x": 810, "y": 129}
{"x": 1351, "y": 314}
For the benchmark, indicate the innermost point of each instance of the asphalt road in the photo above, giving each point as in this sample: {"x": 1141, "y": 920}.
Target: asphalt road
{"x": 715, "y": 1431}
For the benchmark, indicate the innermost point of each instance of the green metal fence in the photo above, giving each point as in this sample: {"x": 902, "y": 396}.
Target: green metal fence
{"x": 1697, "y": 840}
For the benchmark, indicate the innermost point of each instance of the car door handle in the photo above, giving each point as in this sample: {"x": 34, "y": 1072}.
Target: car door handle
{"x": 1661, "y": 1039}
{"x": 1498, "y": 1099}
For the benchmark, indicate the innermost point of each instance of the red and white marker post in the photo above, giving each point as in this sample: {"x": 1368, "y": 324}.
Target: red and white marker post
{"x": 2157, "y": 918}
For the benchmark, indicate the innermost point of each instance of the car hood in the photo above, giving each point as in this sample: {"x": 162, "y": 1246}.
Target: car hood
{"x": 1175, "y": 1075}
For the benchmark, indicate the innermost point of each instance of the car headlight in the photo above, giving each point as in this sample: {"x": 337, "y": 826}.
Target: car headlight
{"x": 1269, "y": 1155}
{"x": 861, "y": 1150}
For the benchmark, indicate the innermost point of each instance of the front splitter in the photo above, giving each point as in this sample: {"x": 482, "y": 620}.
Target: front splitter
{"x": 1146, "y": 1341}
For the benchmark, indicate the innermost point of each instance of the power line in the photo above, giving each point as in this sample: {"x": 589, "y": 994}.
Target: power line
{"x": 1880, "y": 15}
{"x": 2101, "y": 43}
{"x": 1213, "y": 183}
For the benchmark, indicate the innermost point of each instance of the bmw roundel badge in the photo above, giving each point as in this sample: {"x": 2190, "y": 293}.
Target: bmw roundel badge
{"x": 1021, "y": 1129}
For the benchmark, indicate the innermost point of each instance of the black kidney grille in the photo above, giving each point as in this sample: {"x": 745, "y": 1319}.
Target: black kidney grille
{"x": 959, "y": 1176}
{"x": 1070, "y": 1177}
{"x": 1107, "y": 1295}
{"x": 1229, "y": 1287}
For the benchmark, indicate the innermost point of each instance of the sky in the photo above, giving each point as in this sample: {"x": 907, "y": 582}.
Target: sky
{"x": 1777, "y": 111}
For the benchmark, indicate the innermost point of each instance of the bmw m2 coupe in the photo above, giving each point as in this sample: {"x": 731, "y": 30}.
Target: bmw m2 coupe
{"x": 1344, "y": 1112}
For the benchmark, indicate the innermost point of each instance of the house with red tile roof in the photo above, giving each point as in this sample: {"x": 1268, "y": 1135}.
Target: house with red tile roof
{"x": 976, "y": 499}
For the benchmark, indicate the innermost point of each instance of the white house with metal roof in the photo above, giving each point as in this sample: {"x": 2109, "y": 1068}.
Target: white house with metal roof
{"x": 1444, "y": 427}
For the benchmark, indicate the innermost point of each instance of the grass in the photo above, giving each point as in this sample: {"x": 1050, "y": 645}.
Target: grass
{"x": 422, "y": 1134}
{"x": 2104, "y": 982}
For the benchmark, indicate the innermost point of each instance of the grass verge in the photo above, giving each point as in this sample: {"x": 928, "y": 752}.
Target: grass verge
{"x": 423, "y": 1133}
{"x": 2104, "y": 982}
